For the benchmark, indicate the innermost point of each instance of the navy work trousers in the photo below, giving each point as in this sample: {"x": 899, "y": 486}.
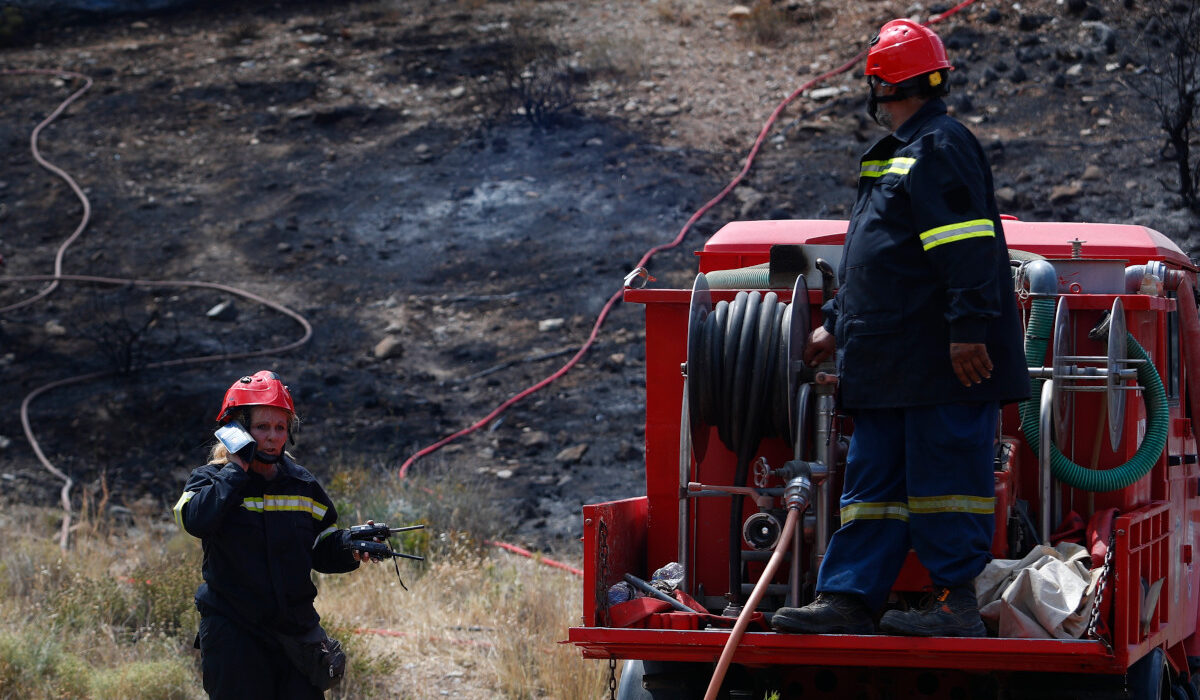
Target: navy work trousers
{"x": 238, "y": 665}
{"x": 919, "y": 477}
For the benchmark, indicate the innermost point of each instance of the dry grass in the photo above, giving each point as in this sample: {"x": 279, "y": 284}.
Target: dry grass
{"x": 113, "y": 618}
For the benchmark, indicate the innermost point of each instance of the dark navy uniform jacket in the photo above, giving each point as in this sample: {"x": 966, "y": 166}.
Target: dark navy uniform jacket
{"x": 925, "y": 264}
{"x": 261, "y": 540}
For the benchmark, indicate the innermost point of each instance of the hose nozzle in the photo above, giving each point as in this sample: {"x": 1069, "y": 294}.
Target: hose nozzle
{"x": 798, "y": 492}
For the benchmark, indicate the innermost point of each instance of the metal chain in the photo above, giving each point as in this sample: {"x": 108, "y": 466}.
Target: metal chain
{"x": 1105, "y": 571}
{"x": 612, "y": 678}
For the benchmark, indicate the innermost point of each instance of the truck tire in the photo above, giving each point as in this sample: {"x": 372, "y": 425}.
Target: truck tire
{"x": 662, "y": 680}
{"x": 1149, "y": 678}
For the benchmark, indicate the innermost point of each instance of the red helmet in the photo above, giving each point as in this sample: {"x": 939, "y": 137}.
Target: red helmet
{"x": 263, "y": 388}
{"x": 904, "y": 49}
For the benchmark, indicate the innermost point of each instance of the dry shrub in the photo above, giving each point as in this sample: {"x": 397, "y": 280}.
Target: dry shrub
{"x": 476, "y": 621}
{"x": 109, "y": 618}
{"x": 675, "y": 12}
{"x": 766, "y": 24}
{"x": 536, "y": 80}
{"x": 619, "y": 58}
{"x": 113, "y": 617}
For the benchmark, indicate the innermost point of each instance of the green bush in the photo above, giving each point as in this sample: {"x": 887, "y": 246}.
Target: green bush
{"x": 34, "y": 665}
{"x": 81, "y": 602}
{"x": 162, "y": 591}
{"x": 168, "y": 679}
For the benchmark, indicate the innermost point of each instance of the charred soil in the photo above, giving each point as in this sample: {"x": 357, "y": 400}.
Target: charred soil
{"x": 372, "y": 166}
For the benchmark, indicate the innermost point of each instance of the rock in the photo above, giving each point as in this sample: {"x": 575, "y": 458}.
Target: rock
{"x": 224, "y": 311}
{"x": 750, "y": 198}
{"x": 628, "y": 452}
{"x": 504, "y": 474}
{"x": 1006, "y": 197}
{"x": 534, "y": 438}
{"x": 738, "y": 13}
{"x": 53, "y": 327}
{"x": 1092, "y": 172}
{"x": 458, "y": 92}
{"x": 389, "y": 347}
{"x": 571, "y": 455}
{"x": 1030, "y": 22}
{"x": 550, "y": 324}
{"x": 5, "y": 442}
{"x": 1062, "y": 193}
{"x": 822, "y": 94}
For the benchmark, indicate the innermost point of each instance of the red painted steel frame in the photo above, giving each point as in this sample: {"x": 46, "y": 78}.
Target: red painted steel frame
{"x": 1156, "y": 533}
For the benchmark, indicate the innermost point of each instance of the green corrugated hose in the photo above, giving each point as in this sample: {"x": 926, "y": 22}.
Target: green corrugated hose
{"x": 754, "y": 277}
{"x": 1037, "y": 337}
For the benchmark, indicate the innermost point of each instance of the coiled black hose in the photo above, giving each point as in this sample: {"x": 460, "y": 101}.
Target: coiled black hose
{"x": 740, "y": 376}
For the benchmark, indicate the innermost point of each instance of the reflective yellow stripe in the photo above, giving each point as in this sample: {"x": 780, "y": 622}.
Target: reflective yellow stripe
{"x": 927, "y": 505}
{"x": 875, "y": 511}
{"x": 879, "y": 168}
{"x": 178, "y": 509}
{"x": 324, "y": 533}
{"x": 976, "y": 228}
{"x": 303, "y": 504}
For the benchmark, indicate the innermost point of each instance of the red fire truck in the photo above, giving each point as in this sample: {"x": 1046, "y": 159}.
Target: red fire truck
{"x": 733, "y": 415}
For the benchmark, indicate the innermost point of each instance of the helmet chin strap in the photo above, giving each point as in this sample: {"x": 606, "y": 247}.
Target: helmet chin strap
{"x": 903, "y": 92}
{"x": 266, "y": 458}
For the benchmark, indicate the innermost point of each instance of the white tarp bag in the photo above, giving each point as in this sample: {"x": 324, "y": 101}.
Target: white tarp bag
{"x": 1048, "y": 594}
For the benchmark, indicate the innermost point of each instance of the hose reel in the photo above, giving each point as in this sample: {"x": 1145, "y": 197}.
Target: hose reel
{"x": 744, "y": 361}
{"x": 1093, "y": 373}
{"x": 743, "y": 377}
{"x": 1044, "y": 316}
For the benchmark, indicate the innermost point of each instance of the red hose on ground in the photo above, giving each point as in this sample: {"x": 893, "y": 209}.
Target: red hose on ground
{"x": 403, "y": 471}
{"x": 526, "y": 553}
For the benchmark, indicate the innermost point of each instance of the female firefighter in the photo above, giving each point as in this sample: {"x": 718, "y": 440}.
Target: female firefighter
{"x": 265, "y": 523}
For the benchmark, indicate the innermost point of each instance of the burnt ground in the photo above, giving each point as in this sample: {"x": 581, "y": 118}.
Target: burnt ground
{"x": 360, "y": 163}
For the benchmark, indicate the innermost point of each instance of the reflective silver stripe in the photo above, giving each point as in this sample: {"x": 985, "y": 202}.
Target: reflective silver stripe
{"x": 958, "y": 503}
{"x": 285, "y": 503}
{"x": 323, "y": 534}
{"x": 879, "y": 168}
{"x": 875, "y": 511}
{"x": 976, "y": 228}
{"x": 178, "y": 509}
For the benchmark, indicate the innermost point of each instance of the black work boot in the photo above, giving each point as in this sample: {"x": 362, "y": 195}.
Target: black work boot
{"x": 949, "y": 612}
{"x": 830, "y": 613}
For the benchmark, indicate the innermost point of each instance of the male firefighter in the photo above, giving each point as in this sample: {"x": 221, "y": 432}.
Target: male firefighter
{"x": 928, "y": 348}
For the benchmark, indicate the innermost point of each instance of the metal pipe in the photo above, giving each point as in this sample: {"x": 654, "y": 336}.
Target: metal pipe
{"x": 1045, "y": 419}
{"x": 655, "y": 593}
{"x": 827, "y": 444}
